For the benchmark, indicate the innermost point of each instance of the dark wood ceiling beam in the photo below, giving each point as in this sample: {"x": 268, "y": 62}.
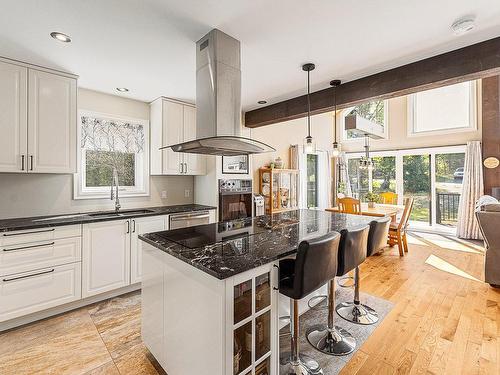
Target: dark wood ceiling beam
{"x": 472, "y": 62}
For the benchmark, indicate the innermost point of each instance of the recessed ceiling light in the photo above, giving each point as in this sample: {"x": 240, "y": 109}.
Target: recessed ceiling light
{"x": 463, "y": 25}
{"x": 122, "y": 89}
{"x": 60, "y": 37}
{"x": 261, "y": 102}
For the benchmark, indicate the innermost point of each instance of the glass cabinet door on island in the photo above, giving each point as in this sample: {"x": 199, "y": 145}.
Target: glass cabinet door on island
{"x": 254, "y": 321}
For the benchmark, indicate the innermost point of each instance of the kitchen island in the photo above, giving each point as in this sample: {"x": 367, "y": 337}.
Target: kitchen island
{"x": 209, "y": 300}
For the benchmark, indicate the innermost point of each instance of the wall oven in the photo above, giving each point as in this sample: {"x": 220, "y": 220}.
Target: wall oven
{"x": 235, "y": 199}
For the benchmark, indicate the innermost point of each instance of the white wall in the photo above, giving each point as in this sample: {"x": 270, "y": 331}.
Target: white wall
{"x": 47, "y": 194}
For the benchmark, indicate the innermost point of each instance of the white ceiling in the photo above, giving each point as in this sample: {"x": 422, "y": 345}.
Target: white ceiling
{"x": 148, "y": 46}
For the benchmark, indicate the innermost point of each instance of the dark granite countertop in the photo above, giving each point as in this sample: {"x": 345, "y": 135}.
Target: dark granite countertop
{"x": 225, "y": 249}
{"x": 92, "y": 217}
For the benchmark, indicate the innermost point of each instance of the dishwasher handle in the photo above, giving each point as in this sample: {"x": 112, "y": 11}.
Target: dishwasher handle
{"x": 192, "y": 216}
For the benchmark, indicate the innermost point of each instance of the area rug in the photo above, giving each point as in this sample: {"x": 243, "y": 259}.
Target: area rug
{"x": 333, "y": 364}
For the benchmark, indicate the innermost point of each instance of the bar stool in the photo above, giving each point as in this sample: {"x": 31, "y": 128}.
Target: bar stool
{"x": 355, "y": 311}
{"x": 332, "y": 339}
{"x": 315, "y": 264}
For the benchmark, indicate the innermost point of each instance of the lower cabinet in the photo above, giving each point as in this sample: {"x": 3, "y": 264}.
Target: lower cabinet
{"x": 112, "y": 253}
{"x": 105, "y": 256}
{"x": 142, "y": 226}
{"x": 33, "y": 291}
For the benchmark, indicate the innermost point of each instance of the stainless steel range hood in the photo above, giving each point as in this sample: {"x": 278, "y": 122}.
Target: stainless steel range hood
{"x": 218, "y": 100}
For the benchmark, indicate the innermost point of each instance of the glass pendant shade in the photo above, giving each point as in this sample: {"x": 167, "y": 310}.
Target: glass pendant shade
{"x": 336, "y": 150}
{"x": 309, "y": 145}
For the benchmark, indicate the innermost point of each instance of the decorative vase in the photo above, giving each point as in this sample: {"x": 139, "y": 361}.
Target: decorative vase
{"x": 371, "y": 204}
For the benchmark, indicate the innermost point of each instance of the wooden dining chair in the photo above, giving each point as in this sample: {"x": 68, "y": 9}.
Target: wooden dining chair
{"x": 349, "y": 205}
{"x": 388, "y": 197}
{"x": 397, "y": 230}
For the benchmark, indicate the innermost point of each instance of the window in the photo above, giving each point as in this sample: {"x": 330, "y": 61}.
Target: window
{"x": 312, "y": 180}
{"x": 432, "y": 176}
{"x": 375, "y": 111}
{"x": 108, "y": 143}
{"x": 445, "y": 109}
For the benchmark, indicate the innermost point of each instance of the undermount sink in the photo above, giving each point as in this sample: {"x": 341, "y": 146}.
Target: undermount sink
{"x": 61, "y": 217}
{"x": 120, "y": 213}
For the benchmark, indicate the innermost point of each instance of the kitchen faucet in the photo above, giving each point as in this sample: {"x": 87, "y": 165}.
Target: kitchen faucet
{"x": 114, "y": 183}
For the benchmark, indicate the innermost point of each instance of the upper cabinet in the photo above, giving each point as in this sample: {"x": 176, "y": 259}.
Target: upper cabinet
{"x": 13, "y": 117}
{"x": 171, "y": 123}
{"x": 38, "y": 120}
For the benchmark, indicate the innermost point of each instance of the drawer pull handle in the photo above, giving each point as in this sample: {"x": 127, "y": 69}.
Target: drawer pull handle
{"x": 26, "y": 276}
{"x": 20, "y": 234}
{"x": 29, "y": 247}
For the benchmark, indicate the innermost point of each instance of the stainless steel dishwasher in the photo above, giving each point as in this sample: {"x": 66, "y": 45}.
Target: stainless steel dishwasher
{"x": 189, "y": 219}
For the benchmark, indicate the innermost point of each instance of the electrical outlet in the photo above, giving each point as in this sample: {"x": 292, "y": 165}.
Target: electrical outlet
{"x": 164, "y": 194}
{"x": 187, "y": 193}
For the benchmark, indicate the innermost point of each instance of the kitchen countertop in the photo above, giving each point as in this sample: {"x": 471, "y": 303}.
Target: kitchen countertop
{"x": 85, "y": 217}
{"x": 225, "y": 249}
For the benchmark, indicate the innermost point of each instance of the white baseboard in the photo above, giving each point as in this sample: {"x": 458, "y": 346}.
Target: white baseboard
{"x": 13, "y": 323}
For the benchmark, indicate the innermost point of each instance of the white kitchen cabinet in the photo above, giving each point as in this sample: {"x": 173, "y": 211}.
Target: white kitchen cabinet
{"x": 13, "y": 117}
{"x": 105, "y": 256}
{"x": 173, "y": 122}
{"x": 38, "y": 119}
{"x": 51, "y": 123}
{"x": 38, "y": 290}
{"x": 140, "y": 226}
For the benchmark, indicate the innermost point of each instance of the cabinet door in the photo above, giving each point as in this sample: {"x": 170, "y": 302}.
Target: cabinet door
{"x": 13, "y": 117}
{"x": 33, "y": 291}
{"x": 172, "y": 134}
{"x": 194, "y": 164}
{"x": 141, "y": 226}
{"x": 51, "y": 123}
{"x": 105, "y": 257}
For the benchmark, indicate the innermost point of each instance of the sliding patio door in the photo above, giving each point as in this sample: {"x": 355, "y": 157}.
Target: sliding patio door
{"x": 432, "y": 176}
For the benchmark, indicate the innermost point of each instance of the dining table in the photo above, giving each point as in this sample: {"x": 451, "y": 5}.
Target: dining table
{"x": 378, "y": 210}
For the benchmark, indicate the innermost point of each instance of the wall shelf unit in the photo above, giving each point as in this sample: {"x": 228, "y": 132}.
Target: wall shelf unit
{"x": 279, "y": 188}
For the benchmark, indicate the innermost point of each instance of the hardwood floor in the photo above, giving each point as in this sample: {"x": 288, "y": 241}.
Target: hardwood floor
{"x": 445, "y": 321}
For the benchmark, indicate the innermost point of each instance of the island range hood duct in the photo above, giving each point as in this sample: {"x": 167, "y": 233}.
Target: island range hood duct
{"x": 218, "y": 100}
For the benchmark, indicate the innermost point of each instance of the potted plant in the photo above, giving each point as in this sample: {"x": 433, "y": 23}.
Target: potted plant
{"x": 371, "y": 198}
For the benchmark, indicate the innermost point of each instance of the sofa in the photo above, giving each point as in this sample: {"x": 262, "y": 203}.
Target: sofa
{"x": 488, "y": 215}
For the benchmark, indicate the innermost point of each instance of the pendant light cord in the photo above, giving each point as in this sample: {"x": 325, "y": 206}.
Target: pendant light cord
{"x": 308, "y": 104}
{"x": 335, "y": 114}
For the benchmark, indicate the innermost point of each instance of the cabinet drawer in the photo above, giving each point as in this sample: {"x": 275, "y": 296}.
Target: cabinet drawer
{"x": 27, "y": 257}
{"x": 39, "y": 234}
{"x": 29, "y": 292}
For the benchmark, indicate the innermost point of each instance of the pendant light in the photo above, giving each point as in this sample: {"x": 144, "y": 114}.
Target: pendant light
{"x": 366, "y": 161}
{"x": 336, "y": 146}
{"x": 309, "y": 144}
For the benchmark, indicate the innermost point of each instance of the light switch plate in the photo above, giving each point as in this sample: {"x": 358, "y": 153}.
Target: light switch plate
{"x": 164, "y": 194}
{"x": 187, "y": 193}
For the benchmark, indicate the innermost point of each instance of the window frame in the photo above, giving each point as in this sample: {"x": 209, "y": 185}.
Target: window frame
{"x": 473, "y": 111}
{"x": 80, "y": 191}
{"x": 343, "y": 131}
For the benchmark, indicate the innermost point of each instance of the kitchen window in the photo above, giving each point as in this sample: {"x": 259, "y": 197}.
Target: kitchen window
{"x": 376, "y": 111}
{"x": 443, "y": 110}
{"x": 106, "y": 143}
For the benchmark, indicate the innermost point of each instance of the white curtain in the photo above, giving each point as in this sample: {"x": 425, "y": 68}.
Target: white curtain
{"x": 344, "y": 175}
{"x": 324, "y": 180}
{"x": 298, "y": 161}
{"x": 472, "y": 189}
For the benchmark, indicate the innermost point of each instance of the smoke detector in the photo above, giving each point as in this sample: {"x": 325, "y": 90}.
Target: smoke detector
{"x": 463, "y": 25}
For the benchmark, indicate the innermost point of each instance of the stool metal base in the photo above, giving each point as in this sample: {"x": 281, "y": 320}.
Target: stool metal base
{"x": 304, "y": 366}
{"x": 357, "y": 313}
{"x": 336, "y": 341}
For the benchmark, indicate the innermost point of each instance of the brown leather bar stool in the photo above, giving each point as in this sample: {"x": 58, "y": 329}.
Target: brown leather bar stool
{"x": 315, "y": 264}
{"x": 331, "y": 339}
{"x": 355, "y": 311}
